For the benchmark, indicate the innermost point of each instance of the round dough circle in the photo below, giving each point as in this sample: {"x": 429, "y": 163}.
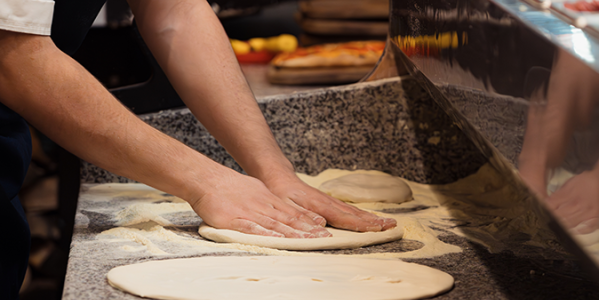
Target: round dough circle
{"x": 341, "y": 239}
{"x": 280, "y": 277}
{"x": 359, "y": 188}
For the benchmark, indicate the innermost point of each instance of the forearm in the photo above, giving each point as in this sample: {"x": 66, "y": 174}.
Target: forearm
{"x": 191, "y": 46}
{"x": 59, "y": 97}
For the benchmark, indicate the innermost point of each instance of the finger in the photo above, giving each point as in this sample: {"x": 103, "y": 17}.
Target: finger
{"x": 349, "y": 218}
{"x": 316, "y": 218}
{"x": 347, "y": 221}
{"x": 384, "y": 223}
{"x": 298, "y": 196}
{"x": 295, "y": 219}
{"x": 291, "y": 208}
{"x": 389, "y": 223}
{"x": 572, "y": 214}
{"x": 250, "y": 227}
{"x": 318, "y": 222}
{"x": 586, "y": 227}
{"x": 341, "y": 215}
{"x": 272, "y": 223}
{"x": 338, "y": 212}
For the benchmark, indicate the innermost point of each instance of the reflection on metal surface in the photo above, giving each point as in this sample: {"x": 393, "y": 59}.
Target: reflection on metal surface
{"x": 581, "y": 46}
{"x": 562, "y": 138}
{"x": 385, "y": 67}
{"x": 430, "y": 45}
{"x": 522, "y": 82}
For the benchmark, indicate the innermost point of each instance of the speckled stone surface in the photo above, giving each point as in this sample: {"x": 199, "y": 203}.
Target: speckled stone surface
{"x": 523, "y": 272}
{"x": 500, "y": 119}
{"x": 389, "y": 125}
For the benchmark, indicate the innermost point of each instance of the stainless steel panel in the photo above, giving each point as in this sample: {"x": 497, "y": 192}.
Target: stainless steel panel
{"x": 522, "y": 82}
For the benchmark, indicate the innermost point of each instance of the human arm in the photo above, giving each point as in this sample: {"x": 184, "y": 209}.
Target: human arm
{"x": 192, "y": 48}
{"x": 60, "y": 98}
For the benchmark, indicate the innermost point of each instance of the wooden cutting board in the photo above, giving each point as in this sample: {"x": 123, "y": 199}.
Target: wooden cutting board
{"x": 300, "y": 76}
{"x": 343, "y": 27}
{"x": 310, "y": 39}
{"x": 345, "y": 9}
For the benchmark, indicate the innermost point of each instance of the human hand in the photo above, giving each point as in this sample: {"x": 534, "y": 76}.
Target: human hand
{"x": 337, "y": 213}
{"x": 553, "y": 118}
{"x": 576, "y": 203}
{"x": 244, "y": 204}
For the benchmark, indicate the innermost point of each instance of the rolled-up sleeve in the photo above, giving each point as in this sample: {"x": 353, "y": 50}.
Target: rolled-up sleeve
{"x": 27, "y": 16}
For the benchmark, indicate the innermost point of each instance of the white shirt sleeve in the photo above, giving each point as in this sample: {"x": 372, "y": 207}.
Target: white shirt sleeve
{"x": 27, "y": 16}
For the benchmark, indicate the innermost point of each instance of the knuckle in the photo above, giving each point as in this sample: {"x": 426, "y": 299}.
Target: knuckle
{"x": 298, "y": 214}
{"x": 290, "y": 219}
{"x": 241, "y": 225}
{"x": 270, "y": 223}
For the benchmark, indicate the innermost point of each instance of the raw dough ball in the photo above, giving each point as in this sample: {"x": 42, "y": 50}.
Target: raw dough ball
{"x": 280, "y": 277}
{"x": 341, "y": 239}
{"x": 359, "y": 188}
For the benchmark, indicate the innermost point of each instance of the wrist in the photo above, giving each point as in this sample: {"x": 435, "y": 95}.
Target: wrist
{"x": 272, "y": 172}
{"x": 204, "y": 176}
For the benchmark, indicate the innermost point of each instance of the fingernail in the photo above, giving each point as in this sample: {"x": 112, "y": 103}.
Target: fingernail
{"x": 309, "y": 236}
{"x": 313, "y": 229}
{"x": 276, "y": 234}
{"x": 305, "y": 227}
{"x": 323, "y": 233}
{"x": 390, "y": 221}
{"x": 374, "y": 228}
{"x": 320, "y": 221}
{"x": 302, "y": 234}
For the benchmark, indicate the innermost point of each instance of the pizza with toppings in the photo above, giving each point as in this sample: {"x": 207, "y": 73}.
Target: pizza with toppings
{"x": 351, "y": 54}
{"x": 583, "y": 6}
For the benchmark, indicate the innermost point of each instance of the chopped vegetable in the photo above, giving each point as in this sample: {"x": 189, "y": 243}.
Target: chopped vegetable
{"x": 258, "y": 44}
{"x": 240, "y": 47}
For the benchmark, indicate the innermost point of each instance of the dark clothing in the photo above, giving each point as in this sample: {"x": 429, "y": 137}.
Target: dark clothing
{"x": 71, "y": 22}
{"x": 72, "y": 19}
{"x": 15, "y": 154}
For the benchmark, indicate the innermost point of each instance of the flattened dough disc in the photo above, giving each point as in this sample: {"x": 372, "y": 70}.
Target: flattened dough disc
{"x": 280, "y": 277}
{"x": 341, "y": 239}
{"x": 359, "y": 188}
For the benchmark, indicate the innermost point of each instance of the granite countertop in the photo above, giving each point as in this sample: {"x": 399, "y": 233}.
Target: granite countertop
{"x": 390, "y": 125}
{"x": 518, "y": 273}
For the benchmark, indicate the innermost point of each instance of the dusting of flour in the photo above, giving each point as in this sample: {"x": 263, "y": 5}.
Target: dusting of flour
{"x": 435, "y": 210}
{"x": 144, "y": 212}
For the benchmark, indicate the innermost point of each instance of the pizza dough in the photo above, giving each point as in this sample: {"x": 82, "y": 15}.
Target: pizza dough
{"x": 341, "y": 239}
{"x": 359, "y": 188}
{"x": 280, "y": 277}
{"x": 352, "y": 186}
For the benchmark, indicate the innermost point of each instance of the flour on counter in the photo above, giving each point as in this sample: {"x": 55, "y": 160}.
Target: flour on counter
{"x": 434, "y": 211}
{"x": 144, "y": 212}
{"x": 482, "y": 207}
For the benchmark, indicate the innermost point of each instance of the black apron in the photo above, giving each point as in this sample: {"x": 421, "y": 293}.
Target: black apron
{"x": 71, "y": 22}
